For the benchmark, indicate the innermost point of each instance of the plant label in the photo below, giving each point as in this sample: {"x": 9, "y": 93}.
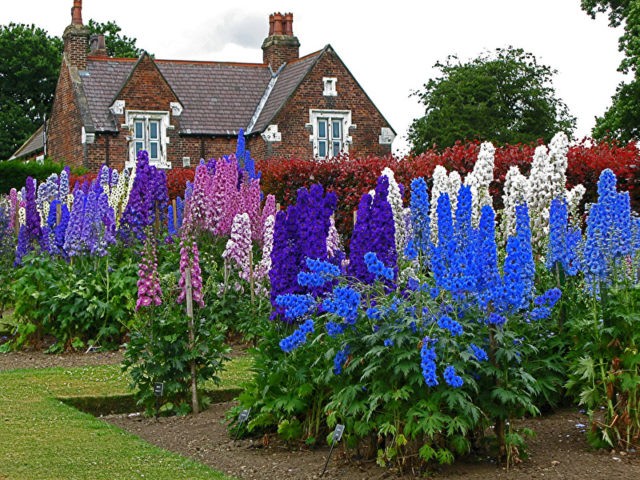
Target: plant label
{"x": 158, "y": 389}
{"x": 337, "y": 433}
{"x": 244, "y": 415}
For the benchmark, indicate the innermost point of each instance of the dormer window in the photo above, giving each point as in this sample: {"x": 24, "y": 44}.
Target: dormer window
{"x": 330, "y": 86}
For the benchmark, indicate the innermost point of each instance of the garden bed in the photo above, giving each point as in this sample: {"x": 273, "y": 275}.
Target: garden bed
{"x": 559, "y": 450}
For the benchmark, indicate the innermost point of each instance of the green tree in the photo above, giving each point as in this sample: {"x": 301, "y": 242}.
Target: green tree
{"x": 117, "y": 45}
{"x": 28, "y": 76}
{"x": 504, "y": 97}
{"x": 29, "y": 72}
{"x": 622, "y": 119}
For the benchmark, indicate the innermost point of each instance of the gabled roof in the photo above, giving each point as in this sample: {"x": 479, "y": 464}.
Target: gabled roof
{"x": 288, "y": 80}
{"x": 35, "y": 144}
{"x": 218, "y": 98}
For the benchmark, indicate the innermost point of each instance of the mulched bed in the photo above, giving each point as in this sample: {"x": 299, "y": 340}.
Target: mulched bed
{"x": 559, "y": 450}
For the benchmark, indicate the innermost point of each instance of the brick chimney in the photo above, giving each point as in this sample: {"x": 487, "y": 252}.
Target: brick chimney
{"x": 97, "y": 46}
{"x": 281, "y": 45}
{"x": 76, "y": 38}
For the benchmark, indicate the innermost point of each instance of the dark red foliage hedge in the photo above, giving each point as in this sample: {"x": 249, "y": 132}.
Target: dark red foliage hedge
{"x": 349, "y": 178}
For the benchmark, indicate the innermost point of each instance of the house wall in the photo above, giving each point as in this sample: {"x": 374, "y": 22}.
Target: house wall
{"x": 292, "y": 118}
{"x": 64, "y": 136}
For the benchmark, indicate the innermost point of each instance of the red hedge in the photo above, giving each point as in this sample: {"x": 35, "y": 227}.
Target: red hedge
{"x": 350, "y": 178}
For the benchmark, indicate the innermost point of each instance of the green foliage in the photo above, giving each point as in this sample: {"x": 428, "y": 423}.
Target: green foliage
{"x": 620, "y": 121}
{"x": 160, "y": 350}
{"x": 605, "y": 370}
{"x": 28, "y": 76}
{"x": 118, "y": 45}
{"x": 504, "y": 97}
{"x": 14, "y": 174}
{"x": 89, "y": 301}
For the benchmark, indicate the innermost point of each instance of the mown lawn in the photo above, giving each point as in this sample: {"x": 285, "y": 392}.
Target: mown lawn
{"x": 42, "y": 438}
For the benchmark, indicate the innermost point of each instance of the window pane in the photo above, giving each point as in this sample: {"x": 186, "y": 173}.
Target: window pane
{"x": 336, "y": 149}
{"x": 138, "y": 130}
{"x": 153, "y": 150}
{"x": 335, "y": 129}
{"x": 322, "y": 129}
{"x": 139, "y": 146}
{"x": 154, "y": 129}
{"x": 322, "y": 149}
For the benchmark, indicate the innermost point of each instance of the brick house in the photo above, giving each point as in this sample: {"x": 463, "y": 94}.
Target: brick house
{"x": 106, "y": 109}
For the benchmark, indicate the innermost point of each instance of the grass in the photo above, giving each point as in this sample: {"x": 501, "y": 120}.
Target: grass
{"x": 43, "y": 438}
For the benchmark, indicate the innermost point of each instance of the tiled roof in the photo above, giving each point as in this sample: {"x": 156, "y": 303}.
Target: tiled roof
{"x": 33, "y": 145}
{"x": 288, "y": 80}
{"x": 102, "y": 82}
{"x": 218, "y": 98}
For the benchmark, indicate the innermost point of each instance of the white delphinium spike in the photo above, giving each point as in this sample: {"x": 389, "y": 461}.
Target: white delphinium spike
{"x": 455, "y": 182}
{"x": 333, "y": 238}
{"x": 574, "y": 197}
{"x": 262, "y": 269}
{"x": 395, "y": 200}
{"x": 515, "y": 193}
{"x": 558, "y": 162}
{"x": 479, "y": 180}
{"x": 539, "y": 197}
{"x": 440, "y": 186}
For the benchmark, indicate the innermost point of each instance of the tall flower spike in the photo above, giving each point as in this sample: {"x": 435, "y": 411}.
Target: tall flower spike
{"x": 239, "y": 246}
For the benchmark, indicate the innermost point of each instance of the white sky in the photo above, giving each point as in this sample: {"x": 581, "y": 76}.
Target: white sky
{"x": 390, "y": 47}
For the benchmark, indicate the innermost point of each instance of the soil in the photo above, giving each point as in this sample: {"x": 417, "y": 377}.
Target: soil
{"x": 558, "y": 451}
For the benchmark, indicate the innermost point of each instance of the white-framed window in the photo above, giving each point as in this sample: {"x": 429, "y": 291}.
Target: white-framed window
{"x": 330, "y": 135}
{"x": 148, "y": 131}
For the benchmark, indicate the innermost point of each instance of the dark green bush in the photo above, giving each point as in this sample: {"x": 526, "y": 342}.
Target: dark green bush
{"x": 13, "y": 174}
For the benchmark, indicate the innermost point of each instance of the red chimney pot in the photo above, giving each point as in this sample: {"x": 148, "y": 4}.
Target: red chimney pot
{"x": 288, "y": 24}
{"x": 277, "y": 24}
{"x": 76, "y": 12}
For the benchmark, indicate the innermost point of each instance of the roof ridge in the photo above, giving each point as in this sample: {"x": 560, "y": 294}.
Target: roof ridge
{"x": 212, "y": 62}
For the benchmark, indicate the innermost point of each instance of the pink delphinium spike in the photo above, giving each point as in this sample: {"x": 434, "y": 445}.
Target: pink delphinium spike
{"x": 149, "y": 290}
{"x": 14, "y": 205}
{"x": 198, "y": 203}
{"x": 226, "y": 194}
{"x": 196, "y": 276}
{"x": 250, "y": 204}
{"x": 268, "y": 210}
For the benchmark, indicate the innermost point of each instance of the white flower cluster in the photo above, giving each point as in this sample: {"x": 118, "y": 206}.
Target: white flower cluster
{"x": 514, "y": 194}
{"x": 479, "y": 180}
{"x": 333, "y": 238}
{"x": 117, "y": 194}
{"x": 399, "y": 216}
{"x": 262, "y": 269}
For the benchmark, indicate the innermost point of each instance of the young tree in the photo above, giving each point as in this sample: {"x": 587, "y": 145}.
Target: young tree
{"x": 503, "y": 97}
{"x": 622, "y": 120}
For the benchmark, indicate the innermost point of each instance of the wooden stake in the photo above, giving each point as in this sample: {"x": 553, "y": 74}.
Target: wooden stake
{"x": 58, "y": 213}
{"x": 175, "y": 213}
{"x": 192, "y": 341}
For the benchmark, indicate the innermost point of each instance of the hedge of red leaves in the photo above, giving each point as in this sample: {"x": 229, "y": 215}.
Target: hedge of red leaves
{"x": 350, "y": 178}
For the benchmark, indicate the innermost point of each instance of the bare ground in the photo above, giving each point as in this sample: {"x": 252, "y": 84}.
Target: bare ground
{"x": 559, "y": 450}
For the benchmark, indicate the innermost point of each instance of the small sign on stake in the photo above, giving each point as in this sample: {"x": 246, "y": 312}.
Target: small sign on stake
{"x": 335, "y": 438}
{"x": 242, "y": 418}
{"x": 158, "y": 389}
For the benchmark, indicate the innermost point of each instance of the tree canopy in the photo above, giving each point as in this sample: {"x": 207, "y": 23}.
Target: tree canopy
{"x": 504, "y": 97}
{"x": 29, "y": 72}
{"x": 622, "y": 120}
